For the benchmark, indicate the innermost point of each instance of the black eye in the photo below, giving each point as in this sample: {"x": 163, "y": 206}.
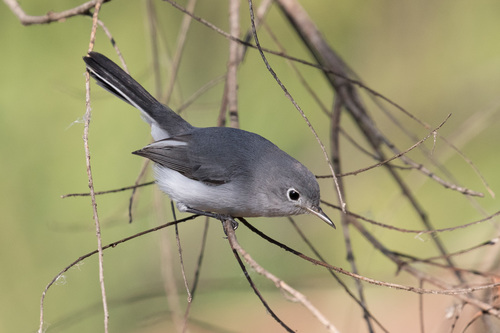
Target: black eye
{"x": 293, "y": 195}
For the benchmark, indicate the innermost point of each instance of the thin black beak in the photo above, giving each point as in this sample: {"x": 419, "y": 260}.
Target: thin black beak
{"x": 319, "y": 213}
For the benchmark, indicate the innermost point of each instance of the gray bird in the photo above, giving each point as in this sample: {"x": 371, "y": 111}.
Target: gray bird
{"x": 219, "y": 172}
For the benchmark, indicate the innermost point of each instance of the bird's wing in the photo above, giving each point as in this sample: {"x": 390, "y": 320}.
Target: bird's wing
{"x": 179, "y": 154}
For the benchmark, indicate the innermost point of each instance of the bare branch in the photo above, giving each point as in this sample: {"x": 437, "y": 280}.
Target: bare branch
{"x": 83, "y": 9}
{"x": 277, "y": 282}
{"x": 145, "y": 164}
{"x": 196, "y": 274}
{"x": 232, "y": 65}
{"x": 69, "y": 195}
{"x": 420, "y": 232}
{"x": 446, "y": 289}
{"x": 89, "y": 172}
{"x": 105, "y": 247}
{"x": 181, "y": 41}
{"x": 179, "y": 251}
{"x": 335, "y": 276}
{"x": 289, "y": 96}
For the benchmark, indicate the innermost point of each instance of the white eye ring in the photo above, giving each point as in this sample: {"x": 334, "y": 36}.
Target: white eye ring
{"x": 293, "y": 194}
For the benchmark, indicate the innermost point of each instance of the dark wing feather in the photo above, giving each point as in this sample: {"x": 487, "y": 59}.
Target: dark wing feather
{"x": 177, "y": 154}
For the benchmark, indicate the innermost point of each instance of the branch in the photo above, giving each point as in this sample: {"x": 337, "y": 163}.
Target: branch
{"x": 89, "y": 171}
{"x": 69, "y": 195}
{"x": 232, "y": 65}
{"x": 83, "y": 9}
{"x": 292, "y": 100}
{"x": 85, "y": 256}
{"x": 446, "y": 289}
{"x": 280, "y": 284}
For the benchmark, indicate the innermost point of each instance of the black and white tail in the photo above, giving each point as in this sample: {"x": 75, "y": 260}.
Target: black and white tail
{"x": 164, "y": 122}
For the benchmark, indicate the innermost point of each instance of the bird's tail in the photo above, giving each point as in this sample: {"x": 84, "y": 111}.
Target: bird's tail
{"x": 164, "y": 122}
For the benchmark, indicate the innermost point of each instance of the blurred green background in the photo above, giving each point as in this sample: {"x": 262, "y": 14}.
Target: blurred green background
{"x": 433, "y": 58}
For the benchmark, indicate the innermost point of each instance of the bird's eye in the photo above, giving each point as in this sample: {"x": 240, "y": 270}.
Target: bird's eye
{"x": 293, "y": 194}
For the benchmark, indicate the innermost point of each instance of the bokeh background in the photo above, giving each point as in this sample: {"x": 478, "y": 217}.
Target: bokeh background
{"x": 433, "y": 58}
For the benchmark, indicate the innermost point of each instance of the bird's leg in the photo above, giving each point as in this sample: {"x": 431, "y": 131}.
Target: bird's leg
{"x": 200, "y": 212}
{"x": 216, "y": 216}
{"x": 234, "y": 224}
{"x": 224, "y": 218}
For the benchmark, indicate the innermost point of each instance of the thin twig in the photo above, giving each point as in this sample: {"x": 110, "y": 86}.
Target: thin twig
{"x": 433, "y": 176}
{"x": 299, "y": 75}
{"x": 266, "y": 50}
{"x": 221, "y": 119}
{"x": 335, "y": 118}
{"x": 400, "y": 154}
{"x": 83, "y": 9}
{"x": 181, "y": 42}
{"x": 69, "y": 195}
{"x": 232, "y": 65}
{"x": 277, "y": 282}
{"x": 153, "y": 33}
{"x": 179, "y": 251}
{"x": 463, "y": 294}
{"x": 431, "y": 260}
{"x": 421, "y": 309}
{"x": 203, "y": 89}
{"x": 335, "y": 276}
{"x": 289, "y": 96}
{"x": 196, "y": 274}
{"x": 114, "y": 44}
{"x": 89, "y": 171}
{"x": 419, "y": 232}
{"x": 236, "y": 56}
{"x": 105, "y": 247}
{"x": 141, "y": 174}
{"x": 166, "y": 264}
{"x": 446, "y": 289}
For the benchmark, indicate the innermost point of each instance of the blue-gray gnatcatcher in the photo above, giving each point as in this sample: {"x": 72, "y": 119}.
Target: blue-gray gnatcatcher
{"x": 215, "y": 171}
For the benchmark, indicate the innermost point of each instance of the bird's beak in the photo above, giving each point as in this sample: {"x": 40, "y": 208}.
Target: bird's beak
{"x": 319, "y": 213}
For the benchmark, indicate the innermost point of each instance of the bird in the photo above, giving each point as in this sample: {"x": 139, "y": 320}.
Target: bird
{"x": 220, "y": 172}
